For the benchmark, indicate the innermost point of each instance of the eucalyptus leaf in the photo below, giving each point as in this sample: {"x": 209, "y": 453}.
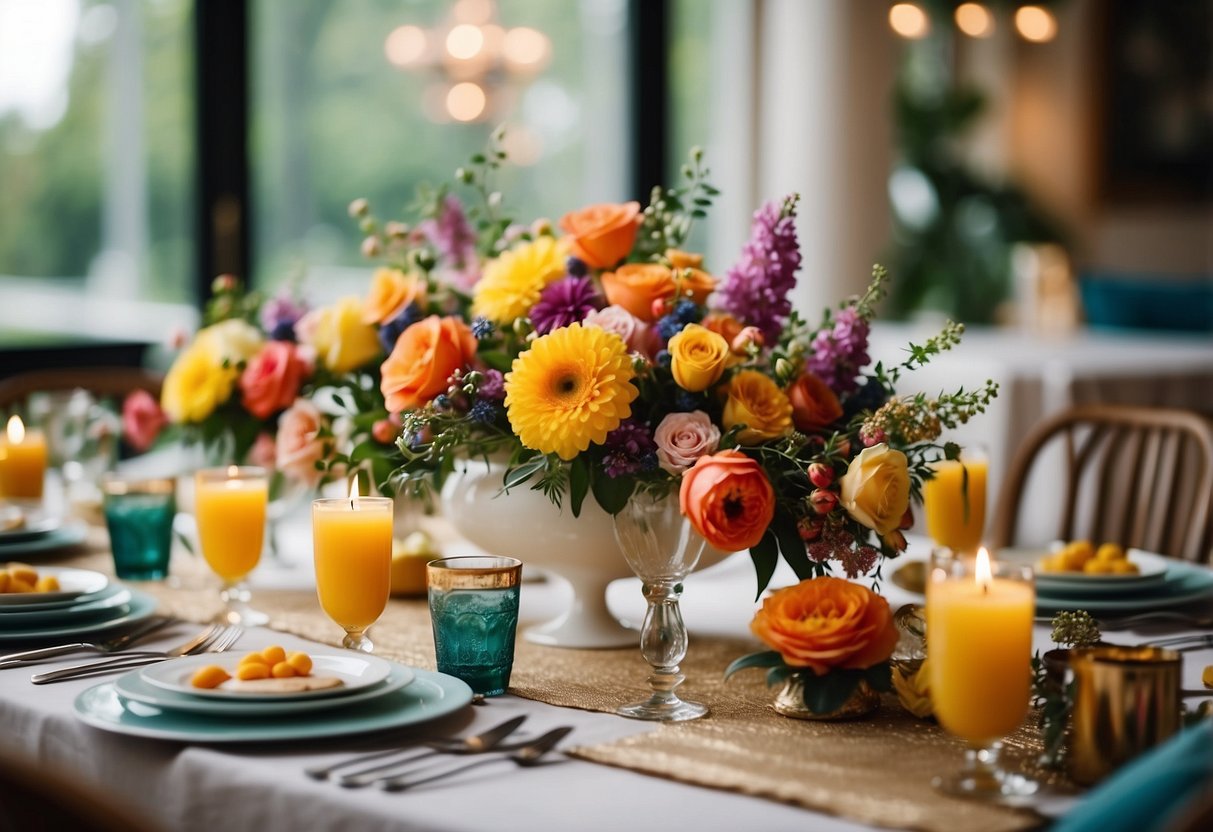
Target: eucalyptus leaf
{"x": 766, "y": 658}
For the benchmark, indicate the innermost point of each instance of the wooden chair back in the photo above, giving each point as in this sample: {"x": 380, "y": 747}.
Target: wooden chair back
{"x": 1141, "y": 477}
{"x": 102, "y": 382}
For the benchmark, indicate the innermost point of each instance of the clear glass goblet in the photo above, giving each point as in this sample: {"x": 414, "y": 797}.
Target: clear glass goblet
{"x": 661, "y": 548}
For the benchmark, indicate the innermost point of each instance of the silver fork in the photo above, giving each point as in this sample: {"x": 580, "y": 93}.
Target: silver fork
{"x": 214, "y": 640}
{"x": 109, "y": 646}
{"x": 527, "y": 755}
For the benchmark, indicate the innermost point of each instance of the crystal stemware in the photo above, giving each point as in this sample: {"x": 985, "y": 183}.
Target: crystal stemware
{"x": 230, "y": 504}
{"x": 661, "y": 548}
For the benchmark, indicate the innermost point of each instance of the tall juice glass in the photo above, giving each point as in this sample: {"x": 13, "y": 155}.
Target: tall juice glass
{"x": 230, "y": 507}
{"x": 352, "y": 544}
{"x": 955, "y": 504}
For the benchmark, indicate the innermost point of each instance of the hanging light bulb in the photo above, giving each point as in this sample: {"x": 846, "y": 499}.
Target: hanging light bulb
{"x": 466, "y": 101}
{"x": 405, "y": 46}
{"x": 1036, "y": 24}
{"x": 974, "y": 20}
{"x": 909, "y": 20}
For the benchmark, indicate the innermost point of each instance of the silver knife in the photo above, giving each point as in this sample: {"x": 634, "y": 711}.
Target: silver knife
{"x": 117, "y": 643}
{"x": 93, "y": 668}
{"x": 526, "y": 756}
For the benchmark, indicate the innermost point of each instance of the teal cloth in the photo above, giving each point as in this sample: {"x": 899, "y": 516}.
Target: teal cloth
{"x": 1146, "y": 793}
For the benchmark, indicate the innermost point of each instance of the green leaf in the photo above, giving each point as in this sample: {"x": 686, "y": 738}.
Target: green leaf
{"x": 364, "y": 450}
{"x": 880, "y": 677}
{"x": 790, "y": 545}
{"x": 496, "y": 359}
{"x": 767, "y": 658}
{"x": 612, "y": 493}
{"x": 824, "y": 694}
{"x": 951, "y": 451}
{"x": 765, "y": 555}
{"x": 779, "y": 675}
{"x": 517, "y": 476}
{"x": 579, "y": 483}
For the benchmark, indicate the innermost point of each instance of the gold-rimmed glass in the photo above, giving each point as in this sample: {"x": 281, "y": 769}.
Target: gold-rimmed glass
{"x": 230, "y": 504}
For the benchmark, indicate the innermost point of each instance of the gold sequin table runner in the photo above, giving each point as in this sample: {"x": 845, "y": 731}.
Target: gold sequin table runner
{"x": 876, "y": 770}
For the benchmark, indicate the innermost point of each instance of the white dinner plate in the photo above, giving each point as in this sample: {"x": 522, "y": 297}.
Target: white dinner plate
{"x": 108, "y": 604}
{"x": 73, "y": 583}
{"x": 141, "y": 607}
{"x": 71, "y": 534}
{"x": 354, "y": 670}
{"x": 32, "y": 524}
{"x": 132, "y": 686}
{"x": 1185, "y": 584}
{"x": 110, "y": 589}
{"x": 430, "y": 696}
{"x": 1153, "y": 570}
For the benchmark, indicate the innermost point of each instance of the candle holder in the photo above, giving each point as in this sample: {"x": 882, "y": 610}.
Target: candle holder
{"x": 352, "y": 545}
{"x": 979, "y": 627}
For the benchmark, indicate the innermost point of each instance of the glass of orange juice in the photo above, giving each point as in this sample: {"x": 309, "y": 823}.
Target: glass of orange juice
{"x": 955, "y": 503}
{"x": 352, "y": 544}
{"x": 230, "y": 505}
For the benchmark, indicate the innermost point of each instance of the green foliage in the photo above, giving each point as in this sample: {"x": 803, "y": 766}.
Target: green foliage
{"x": 822, "y": 694}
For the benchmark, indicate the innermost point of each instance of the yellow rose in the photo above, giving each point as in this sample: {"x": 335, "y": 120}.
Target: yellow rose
{"x": 913, "y": 690}
{"x": 697, "y": 357}
{"x": 875, "y": 490}
{"x": 756, "y": 402}
{"x": 196, "y": 384}
{"x": 341, "y": 340}
{"x": 233, "y": 341}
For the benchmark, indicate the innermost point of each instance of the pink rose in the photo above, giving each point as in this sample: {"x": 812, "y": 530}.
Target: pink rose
{"x": 264, "y": 452}
{"x": 684, "y": 437}
{"x": 271, "y": 380}
{"x": 638, "y": 335}
{"x": 142, "y": 420}
{"x": 300, "y": 445}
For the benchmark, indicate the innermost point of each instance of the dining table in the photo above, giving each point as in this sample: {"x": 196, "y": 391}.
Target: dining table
{"x": 741, "y": 766}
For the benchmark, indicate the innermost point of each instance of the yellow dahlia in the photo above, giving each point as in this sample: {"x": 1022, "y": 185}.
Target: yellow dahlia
{"x": 571, "y": 388}
{"x": 512, "y": 282}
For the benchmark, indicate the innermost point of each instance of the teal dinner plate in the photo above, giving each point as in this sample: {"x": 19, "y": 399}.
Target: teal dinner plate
{"x": 72, "y": 534}
{"x": 88, "y": 611}
{"x": 1185, "y": 583}
{"x": 132, "y": 686}
{"x": 141, "y": 607}
{"x": 430, "y": 696}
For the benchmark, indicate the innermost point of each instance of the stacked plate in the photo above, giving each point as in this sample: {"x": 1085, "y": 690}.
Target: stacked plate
{"x": 86, "y": 603}
{"x": 1160, "y": 583}
{"x": 24, "y": 533}
{"x": 371, "y": 695}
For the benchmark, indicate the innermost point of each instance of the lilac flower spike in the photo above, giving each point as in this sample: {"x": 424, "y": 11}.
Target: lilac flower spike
{"x": 757, "y": 288}
{"x": 455, "y": 240}
{"x": 841, "y": 352}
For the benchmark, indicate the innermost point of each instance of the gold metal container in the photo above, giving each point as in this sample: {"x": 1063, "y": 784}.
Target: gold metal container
{"x": 1126, "y": 701}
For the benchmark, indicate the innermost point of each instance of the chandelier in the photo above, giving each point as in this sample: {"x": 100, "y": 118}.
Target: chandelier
{"x": 477, "y": 64}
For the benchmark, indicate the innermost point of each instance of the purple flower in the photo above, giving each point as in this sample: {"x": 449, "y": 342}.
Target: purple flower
{"x": 455, "y": 240}
{"x": 280, "y": 314}
{"x": 756, "y": 290}
{"x": 493, "y": 386}
{"x": 840, "y": 353}
{"x": 484, "y": 411}
{"x": 564, "y": 302}
{"x": 630, "y": 450}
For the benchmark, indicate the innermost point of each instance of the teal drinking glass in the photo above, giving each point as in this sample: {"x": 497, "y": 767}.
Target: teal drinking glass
{"x": 139, "y": 515}
{"x": 474, "y": 611}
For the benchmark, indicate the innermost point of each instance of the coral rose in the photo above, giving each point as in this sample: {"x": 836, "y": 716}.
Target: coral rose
{"x": 341, "y": 340}
{"x": 697, "y": 357}
{"x": 272, "y": 378}
{"x": 602, "y": 235}
{"x": 422, "y": 361}
{"x": 683, "y": 438}
{"x": 825, "y": 623}
{"x": 142, "y": 420}
{"x": 728, "y": 499}
{"x": 814, "y": 405}
{"x": 875, "y": 490}
{"x": 300, "y": 444}
{"x": 724, "y": 325}
{"x": 635, "y": 286}
{"x": 756, "y": 402}
{"x": 391, "y": 291}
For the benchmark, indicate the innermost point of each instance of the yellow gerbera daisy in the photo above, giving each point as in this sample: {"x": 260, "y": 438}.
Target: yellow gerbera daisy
{"x": 512, "y": 282}
{"x": 571, "y": 388}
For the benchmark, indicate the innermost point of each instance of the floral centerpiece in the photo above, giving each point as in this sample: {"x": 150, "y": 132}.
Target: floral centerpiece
{"x": 603, "y": 359}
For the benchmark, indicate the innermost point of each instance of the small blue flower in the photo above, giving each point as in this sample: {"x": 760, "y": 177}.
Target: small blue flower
{"x": 484, "y": 411}
{"x": 685, "y": 402}
{"x": 688, "y": 312}
{"x": 669, "y": 326}
{"x": 442, "y": 401}
{"x": 390, "y": 332}
{"x": 664, "y": 359}
{"x": 482, "y": 328}
{"x": 576, "y": 267}
{"x": 283, "y": 331}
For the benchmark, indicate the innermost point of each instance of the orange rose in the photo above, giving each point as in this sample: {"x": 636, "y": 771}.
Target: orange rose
{"x": 636, "y": 285}
{"x": 423, "y": 359}
{"x": 391, "y": 291}
{"x": 824, "y": 623}
{"x": 728, "y": 499}
{"x": 689, "y": 277}
{"x": 602, "y": 235}
{"x": 756, "y": 402}
{"x": 724, "y": 325}
{"x": 814, "y": 405}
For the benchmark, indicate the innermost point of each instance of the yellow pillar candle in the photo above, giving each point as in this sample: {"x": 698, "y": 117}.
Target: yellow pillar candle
{"x": 231, "y": 521}
{"x": 352, "y": 544}
{"x": 949, "y": 522}
{"x": 22, "y": 461}
{"x": 979, "y": 639}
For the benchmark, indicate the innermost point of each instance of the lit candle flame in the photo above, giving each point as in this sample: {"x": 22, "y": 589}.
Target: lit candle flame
{"x": 16, "y": 430}
{"x": 982, "y": 571}
{"x": 354, "y": 495}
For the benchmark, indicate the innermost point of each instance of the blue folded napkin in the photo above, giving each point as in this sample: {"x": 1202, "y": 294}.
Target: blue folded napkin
{"x": 1146, "y": 793}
